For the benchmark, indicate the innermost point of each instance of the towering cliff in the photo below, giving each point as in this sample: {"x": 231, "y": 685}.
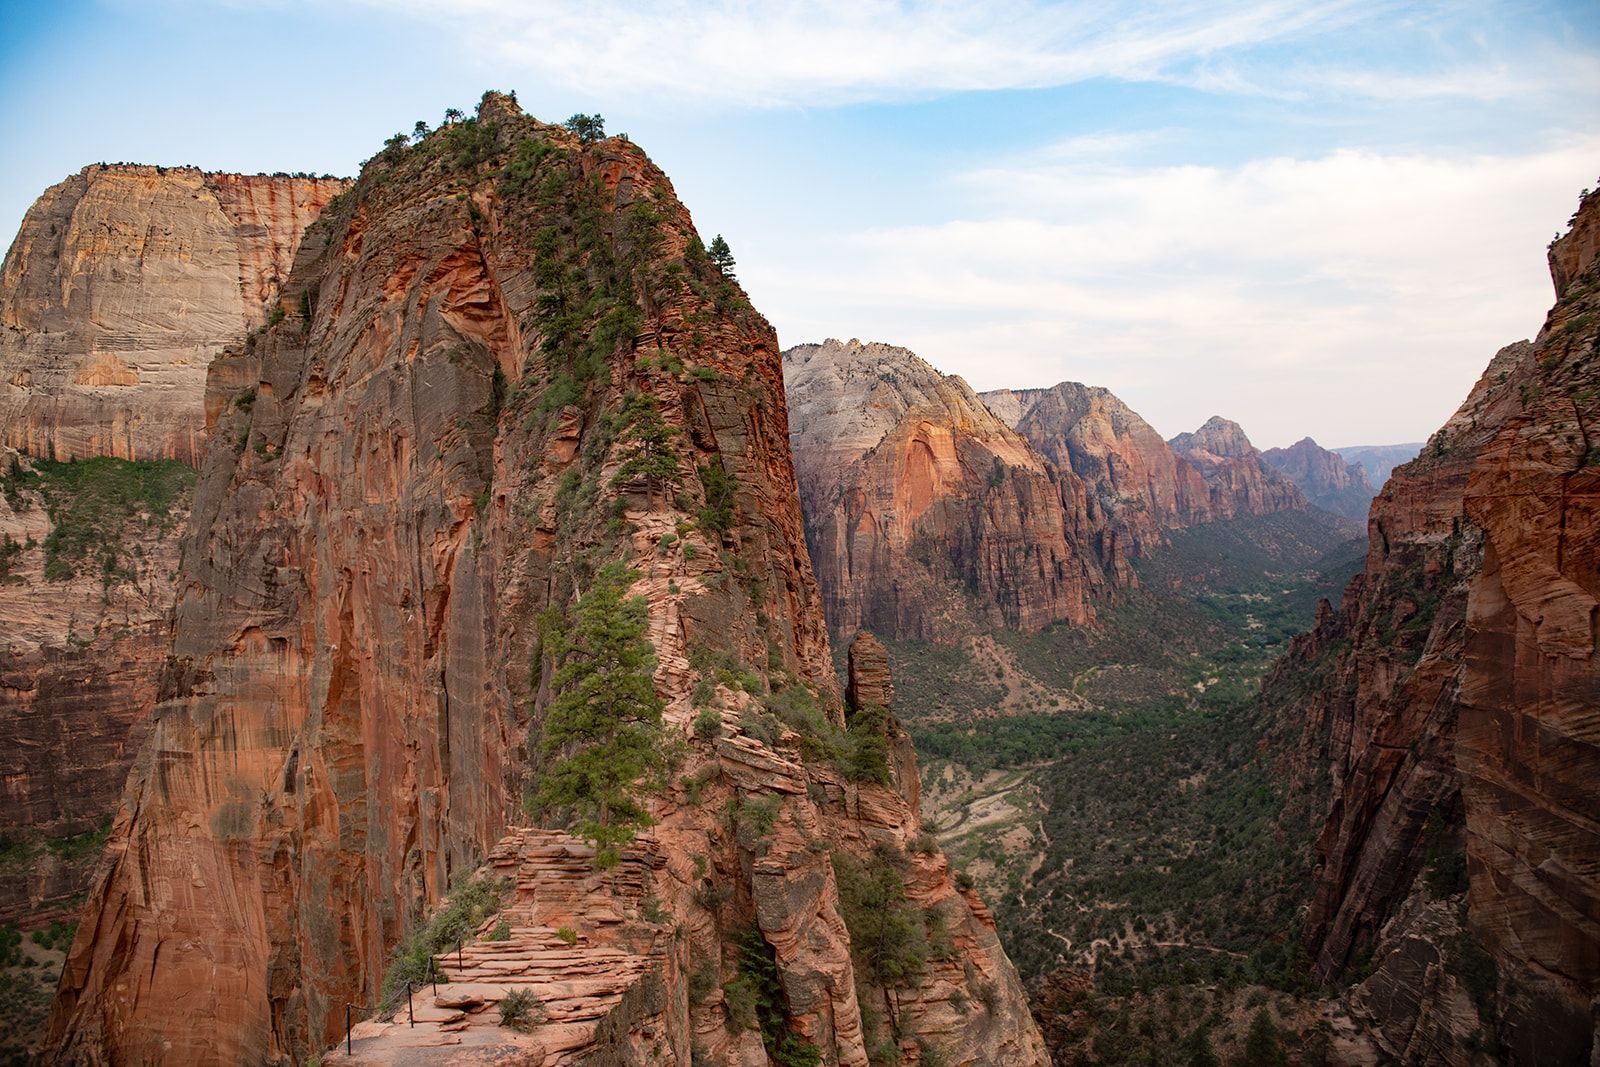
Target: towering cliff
{"x": 1327, "y": 479}
{"x": 1454, "y": 695}
{"x": 1378, "y": 460}
{"x": 122, "y": 284}
{"x": 923, "y": 510}
{"x": 515, "y": 364}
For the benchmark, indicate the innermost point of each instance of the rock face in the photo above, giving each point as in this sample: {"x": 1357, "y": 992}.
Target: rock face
{"x": 122, "y": 284}
{"x": 519, "y": 365}
{"x": 82, "y": 651}
{"x": 1327, "y": 479}
{"x": 1240, "y": 482}
{"x": 1458, "y": 681}
{"x": 925, "y": 510}
{"x": 1140, "y": 486}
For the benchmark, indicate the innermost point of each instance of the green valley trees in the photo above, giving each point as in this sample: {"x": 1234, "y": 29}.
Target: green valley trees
{"x": 602, "y": 734}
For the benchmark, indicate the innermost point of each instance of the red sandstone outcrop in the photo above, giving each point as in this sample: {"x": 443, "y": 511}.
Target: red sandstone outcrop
{"x": 122, "y": 284}
{"x": 925, "y": 511}
{"x": 519, "y": 365}
{"x": 1460, "y": 678}
{"x": 1327, "y": 479}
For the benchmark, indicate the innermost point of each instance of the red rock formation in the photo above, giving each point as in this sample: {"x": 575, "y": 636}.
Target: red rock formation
{"x": 80, "y": 656}
{"x": 1241, "y": 484}
{"x": 1327, "y": 479}
{"x": 519, "y": 365}
{"x": 122, "y": 284}
{"x": 1460, "y": 678}
{"x": 924, "y": 511}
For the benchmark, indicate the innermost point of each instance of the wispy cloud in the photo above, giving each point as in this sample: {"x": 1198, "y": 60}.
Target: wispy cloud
{"x": 1353, "y": 293}
{"x": 820, "y": 52}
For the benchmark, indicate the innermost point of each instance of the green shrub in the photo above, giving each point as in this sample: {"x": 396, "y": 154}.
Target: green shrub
{"x": 708, "y": 724}
{"x": 720, "y": 490}
{"x": 470, "y": 902}
{"x": 567, "y": 935}
{"x": 501, "y": 932}
{"x": 521, "y": 1010}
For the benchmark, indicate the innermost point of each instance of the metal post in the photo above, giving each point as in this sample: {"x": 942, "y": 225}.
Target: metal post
{"x": 459, "y": 964}
{"x": 409, "y": 1013}
{"x": 347, "y": 1050}
{"x": 433, "y": 972}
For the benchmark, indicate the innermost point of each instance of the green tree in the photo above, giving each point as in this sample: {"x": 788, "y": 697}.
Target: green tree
{"x": 452, "y": 115}
{"x": 419, "y": 131}
{"x": 1262, "y": 1046}
{"x": 602, "y": 734}
{"x": 721, "y": 256}
{"x": 589, "y": 128}
{"x": 1198, "y": 1046}
{"x": 887, "y": 931}
{"x": 648, "y": 438}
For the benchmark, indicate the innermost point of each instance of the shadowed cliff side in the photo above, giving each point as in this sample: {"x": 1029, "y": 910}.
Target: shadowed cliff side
{"x": 1454, "y": 695}
{"x": 506, "y": 361}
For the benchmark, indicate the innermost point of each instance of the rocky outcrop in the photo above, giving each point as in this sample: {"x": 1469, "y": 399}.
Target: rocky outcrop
{"x": 519, "y": 365}
{"x": 924, "y": 511}
{"x": 1458, "y": 683}
{"x": 1240, "y": 482}
{"x": 122, "y": 284}
{"x": 1327, "y": 479}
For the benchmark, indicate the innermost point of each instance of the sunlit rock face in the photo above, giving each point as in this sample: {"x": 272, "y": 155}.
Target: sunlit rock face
{"x": 122, "y": 284}
{"x": 924, "y": 510}
{"x": 516, "y": 364}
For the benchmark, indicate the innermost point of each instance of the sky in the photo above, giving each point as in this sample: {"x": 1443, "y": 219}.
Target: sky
{"x": 1316, "y": 219}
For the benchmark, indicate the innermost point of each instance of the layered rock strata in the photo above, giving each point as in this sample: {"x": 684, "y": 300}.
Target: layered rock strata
{"x": 122, "y": 284}
{"x": 1458, "y": 683}
{"x": 1327, "y": 479}
{"x": 518, "y": 364}
{"x": 924, "y": 510}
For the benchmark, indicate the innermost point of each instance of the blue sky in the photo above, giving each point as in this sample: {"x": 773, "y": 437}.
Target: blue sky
{"x": 1313, "y": 218}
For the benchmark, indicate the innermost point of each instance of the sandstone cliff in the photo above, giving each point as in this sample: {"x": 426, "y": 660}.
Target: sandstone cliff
{"x": 1327, "y": 479}
{"x": 122, "y": 284}
{"x": 517, "y": 364}
{"x": 1457, "y": 684}
{"x": 87, "y": 558}
{"x": 924, "y": 512}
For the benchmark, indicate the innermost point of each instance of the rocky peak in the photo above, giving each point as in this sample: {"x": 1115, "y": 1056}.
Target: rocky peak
{"x": 1217, "y": 439}
{"x": 915, "y": 493}
{"x": 517, "y": 370}
{"x": 1327, "y": 479}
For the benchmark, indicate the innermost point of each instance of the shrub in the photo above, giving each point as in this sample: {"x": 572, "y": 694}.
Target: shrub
{"x": 708, "y": 724}
{"x": 521, "y": 1010}
{"x": 471, "y": 901}
{"x": 567, "y": 935}
{"x": 501, "y": 932}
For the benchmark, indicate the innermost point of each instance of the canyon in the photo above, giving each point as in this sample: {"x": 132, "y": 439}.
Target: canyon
{"x": 504, "y": 362}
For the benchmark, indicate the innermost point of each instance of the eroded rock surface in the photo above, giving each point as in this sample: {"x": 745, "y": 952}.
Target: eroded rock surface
{"x": 519, "y": 365}
{"x": 122, "y": 284}
{"x": 916, "y": 494}
{"x": 1327, "y": 479}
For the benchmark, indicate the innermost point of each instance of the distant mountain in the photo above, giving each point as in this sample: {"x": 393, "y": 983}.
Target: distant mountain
{"x": 1379, "y": 460}
{"x": 1327, "y": 478}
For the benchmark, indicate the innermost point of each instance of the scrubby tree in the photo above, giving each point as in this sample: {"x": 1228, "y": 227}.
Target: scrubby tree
{"x": 419, "y": 131}
{"x": 602, "y": 735}
{"x": 452, "y": 115}
{"x": 589, "y": 128}
{"x": 1262, "y": 1046}
{"x": 721, "y": 256}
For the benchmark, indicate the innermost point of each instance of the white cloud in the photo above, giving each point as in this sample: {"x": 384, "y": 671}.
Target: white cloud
{"x": 821, "y": 52}
{"x": 1354, "y": 295}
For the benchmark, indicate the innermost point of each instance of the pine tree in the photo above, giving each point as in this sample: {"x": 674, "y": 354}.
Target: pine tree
{"x": 589, "y": 128}
{"x": 721, "y": 256}
{"x": 1201, "y": 1054}
{"x": 602, "y": 734}
{"x": 1262, "y": 1047}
